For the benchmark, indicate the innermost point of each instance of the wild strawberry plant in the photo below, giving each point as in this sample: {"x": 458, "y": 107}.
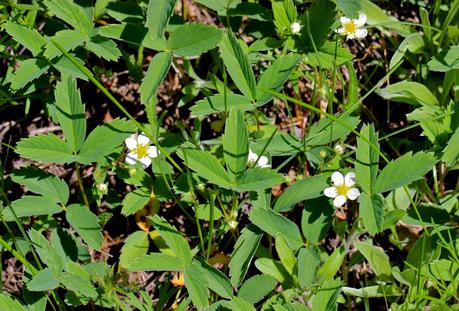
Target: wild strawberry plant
{"x": 271, "y": 155}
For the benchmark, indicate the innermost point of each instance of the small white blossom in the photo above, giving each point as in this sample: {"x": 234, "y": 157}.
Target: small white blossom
{"x": 342, "y": 188}
{"x": 102, "y": 187}
{"x": 140, "y": 150}
{"x": 339, "y": 149}
{"x": 232, "y": 224}
{"x": 295, "y": 28}
{"x": 351, "y": 28}
{"x": 262, "y": 162}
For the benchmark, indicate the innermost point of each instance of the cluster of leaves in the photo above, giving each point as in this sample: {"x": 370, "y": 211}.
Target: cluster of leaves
{"x": 276, "y": 263}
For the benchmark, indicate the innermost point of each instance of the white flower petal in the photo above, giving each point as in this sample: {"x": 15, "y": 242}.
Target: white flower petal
{"x": 349, "y": 179}
{"x": 263, "y": 161}
{"x": 152, "y": 152}
{"x": 339, "y": 201}
{"x": 295, "y": 28}
{"x": 350, "y": 36}
{"x": 252, "y": 156}
{"x": 337, "y": 178}
{"x": 361, "y": 21}
{"x": 131, "y": 142}
{"x": 344, "y": 20}
{"x": 330, "y": 192}
{"x": 353, "y": 194}
{"x": 361, "y": 33}
{"x": 145, "y": 161}
{"x": 340, "y": 30}
{"x": 143, "y": 139}
{"x": 131, "y": 158}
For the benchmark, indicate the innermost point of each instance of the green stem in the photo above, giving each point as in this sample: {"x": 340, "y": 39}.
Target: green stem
{"x": 211, "y": 226}
{"x": 19, "y": 256}
{"x": 80, "y": 184}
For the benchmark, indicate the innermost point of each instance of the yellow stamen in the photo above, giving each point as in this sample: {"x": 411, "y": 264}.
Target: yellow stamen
{"x": 350, "y": 27}
{"x": 141, "y": 151}
{"x": 342, "y": 189}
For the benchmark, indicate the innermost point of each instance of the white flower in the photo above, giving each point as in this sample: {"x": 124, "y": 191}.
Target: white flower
{"x": 339, "y": 149}
{"x": 232, "y": 224}
{"x": 102, "y": 187}
{"x": 342, "y": 189}
{"x": 295, "y": 28}
{"x": 140, "y": 150}
{"x": 262, "y": 162}
{"x": 352, "y": 27}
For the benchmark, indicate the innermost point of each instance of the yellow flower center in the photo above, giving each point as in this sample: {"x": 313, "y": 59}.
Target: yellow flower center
{"x": 350, "y": 27}
{"x": 141, "y": 151}
{"x": 342, "y": 189}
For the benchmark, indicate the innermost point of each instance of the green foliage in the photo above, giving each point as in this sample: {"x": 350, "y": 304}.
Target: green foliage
{"x": 210, "y": 83}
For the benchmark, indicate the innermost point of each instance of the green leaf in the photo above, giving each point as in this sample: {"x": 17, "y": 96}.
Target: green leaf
{"x": 219, "y": 6}
{"x": 29, "y": 38}
{"x": 158, "y": 14}
{"x": 308, "y": 263}
{"x": 327, "y": 130}
{"x": 378, "y": 260}
{"x": 42, "y": 183}
{"x": 305, "y": 189}
{"x": 135, "y": 201}
{"x": 413, "y": 43}
{"x": 377, "y": 291}
{"x": 136, "y": 245}
{"x": 47, "y": 253}
{"x": 215, "y": 279}
{"x": 216, "y": 103}
{"x": 156, "y": 262}
{"x": 70, "y": 112}
{"x": 86, "y": 224}
{"x": 350, "y": 8}
{"x": 366, "y": 166}
{"x": 445, "y": 61}
{"x": 274, "y": 223}
{"x": 242, "y": 255}
{"x": 46, "y": 148}
{"x": 315, "y": 222}
{"x": 9, "y": 304}
{"x": 451, "y": 152}
{"x": 328, "y": 56}
{"x": 257, "y": 178}
{"x": 133, "y": 34}
{"x": 28, "y": 206}
{"x": 68, "y": 39}
{"x": 29, "y": 70}
{"x": 237, "y": 64}
{"x": 331, "y": 265}
{"x": 195, "y": 284}
{"x": 104, "y": 140}
{"x": 104, "y": 48}
{"x": 285, "y": 253}
{"x": 285, "y": 15}
{"x": 206, "y": 166}
{"x": 404, "y": 170}
{"x": 44, "y": 280}
{"x": 71, "y": 13}
{"x": 275, "y": 269}
{"x": 409, "y": 92}
{"x": 327, "y": 296}
{"x": 275, "y": 76}
{"x": 379, "y": 18}
{"x": 235, "y": 143}
{"x": 317, "y": 24}
{"x": 173, "y": 239}
{"x": 241, "y": 305}
{"x": 157, "y": 70}
{"x": 66, "y": 67}
{"x": 125, "y": 11}
{"x": 256, "y": 288}
{"x": 371, "y": 208}
{"x": 79, "y": 283}
{"x": 193, "y": 39}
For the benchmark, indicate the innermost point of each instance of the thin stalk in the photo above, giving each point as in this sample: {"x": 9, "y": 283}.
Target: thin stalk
{"x": 210, "y": 233}
{"x": 80, "y": 184}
